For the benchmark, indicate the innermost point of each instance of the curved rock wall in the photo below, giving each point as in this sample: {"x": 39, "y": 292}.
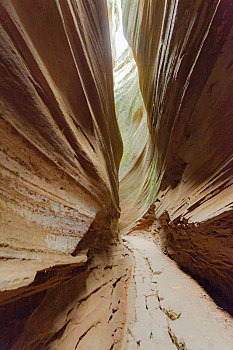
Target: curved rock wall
{"x": 137, "y": 169}
{"x": 183, "y": 51}
{"x": 61, "y": 146}
{"x": 59, "y": 118}
{"x": 60, "y": 155}
{"x": 64, "y": 272}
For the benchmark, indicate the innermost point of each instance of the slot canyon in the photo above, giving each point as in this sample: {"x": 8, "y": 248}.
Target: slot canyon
{"x": 116, "y": 175}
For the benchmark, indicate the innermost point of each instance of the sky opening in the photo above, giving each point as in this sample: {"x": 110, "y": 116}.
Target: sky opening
{"x": 120, "y": 41}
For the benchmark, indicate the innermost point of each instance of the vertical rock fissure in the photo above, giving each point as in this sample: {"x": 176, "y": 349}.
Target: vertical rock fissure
{"x": 137, "y": 175}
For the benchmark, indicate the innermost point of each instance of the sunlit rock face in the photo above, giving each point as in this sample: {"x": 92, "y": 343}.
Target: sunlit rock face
{"x": 137, "y": 174}
{"x": 183, "y": 51}
{"x": 60, "y": 154}
{"x": 114, "y": 20}
{"x": 137, "y": 169}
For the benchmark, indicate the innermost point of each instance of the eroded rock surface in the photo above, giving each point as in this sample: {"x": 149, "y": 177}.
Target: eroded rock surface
{"x": 167, "y": 309}
{"x": 137, "y": 173}
{"x": 63, "y": 269}
{"x": 66, "y": 280}
{"x": 60, "y": 141}
{"x": 183, "y": 51}
{"x": 71, "y": 308}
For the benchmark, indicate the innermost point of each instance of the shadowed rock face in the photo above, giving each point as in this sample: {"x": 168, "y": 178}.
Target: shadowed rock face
{"x": 183, "y": 52}
{"x": 60, "y": 154}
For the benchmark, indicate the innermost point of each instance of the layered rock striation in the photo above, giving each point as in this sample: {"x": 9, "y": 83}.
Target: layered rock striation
{"x": 183, "y": 51}
{"x": 64, "y": 271}
{"x": 61, "y": 146}
{"x": 62, "y": 265}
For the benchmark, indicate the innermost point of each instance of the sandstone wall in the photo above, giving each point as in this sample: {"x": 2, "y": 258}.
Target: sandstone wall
{"x": 183, "y": 51}
{"x": 137, "y": 174}
{"x": 60, "y": 152}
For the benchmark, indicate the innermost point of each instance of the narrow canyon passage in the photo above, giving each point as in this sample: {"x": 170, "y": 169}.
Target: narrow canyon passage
{"x": 166, "y": 308}
{"x": 116, "y": 175}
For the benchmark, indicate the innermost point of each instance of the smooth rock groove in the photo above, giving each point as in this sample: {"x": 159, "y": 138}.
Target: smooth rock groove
{"x": 167, "y": 309}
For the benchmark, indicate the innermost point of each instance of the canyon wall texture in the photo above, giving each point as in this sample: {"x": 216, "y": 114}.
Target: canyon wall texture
{"x": 62, "y": 265}
{"x": 64, "y": 272}
{"x": 183, "y": 51}
{"x": 137, "y": 174}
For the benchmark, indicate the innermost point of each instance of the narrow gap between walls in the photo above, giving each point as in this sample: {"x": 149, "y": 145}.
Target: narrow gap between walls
{"x": 137, "y": 175}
